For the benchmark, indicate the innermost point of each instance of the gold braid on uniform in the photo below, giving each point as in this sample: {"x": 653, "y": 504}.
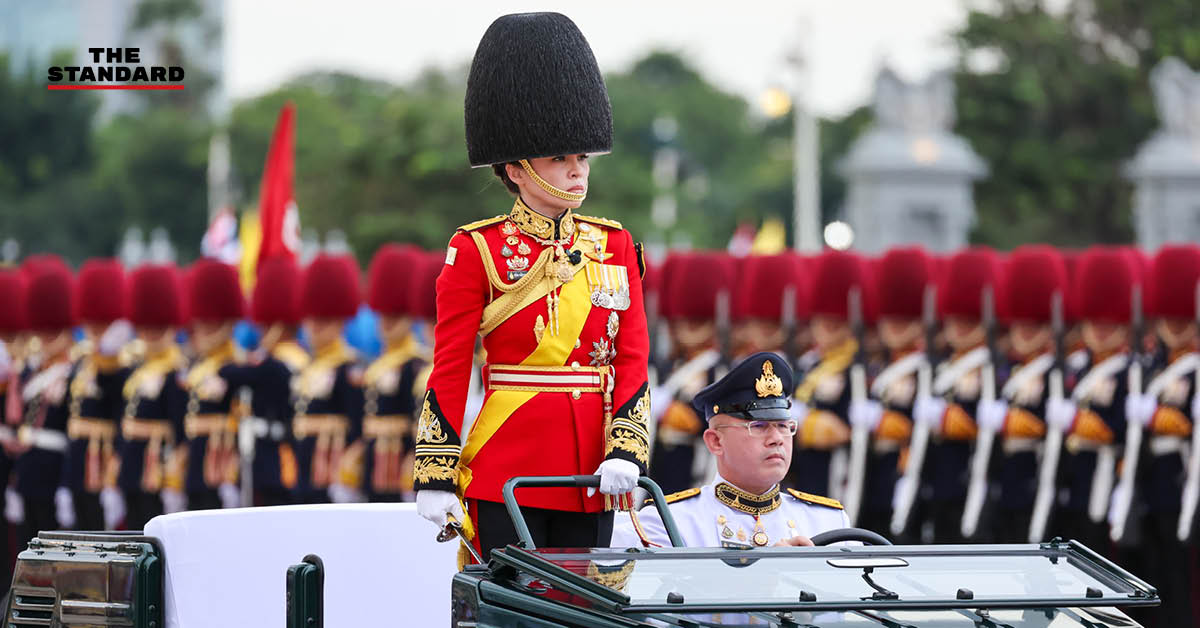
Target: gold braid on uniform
{"x": 435, "y": 463}
{"x": 746, "y": 501}
{"x": 628, "y": 436}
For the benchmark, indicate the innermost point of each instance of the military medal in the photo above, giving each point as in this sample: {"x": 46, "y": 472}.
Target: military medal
{"x": 726, "y": 533}
{"x": 523, "y": 248}
{"x": 512, "y": 240}
{"x": 741, "y": 534}
{"x": 506, "y": 252}
{"x": 509, "y": 229}
{"x": 518, "y": 263}
{"x": 760, "y": 535}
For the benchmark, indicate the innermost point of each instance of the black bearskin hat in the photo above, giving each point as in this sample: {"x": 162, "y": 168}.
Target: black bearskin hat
{"x": 535, "y": 91}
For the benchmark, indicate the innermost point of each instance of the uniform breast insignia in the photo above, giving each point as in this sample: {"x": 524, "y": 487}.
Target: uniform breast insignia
{"x": 818, "y": 500}
{"x": 609, "y": 284}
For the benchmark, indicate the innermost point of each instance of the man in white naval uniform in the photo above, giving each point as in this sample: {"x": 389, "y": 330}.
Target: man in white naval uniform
{"x": 750, "y": 433}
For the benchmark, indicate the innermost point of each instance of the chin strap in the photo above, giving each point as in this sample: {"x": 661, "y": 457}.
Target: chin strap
{"x": 548, "y": 187}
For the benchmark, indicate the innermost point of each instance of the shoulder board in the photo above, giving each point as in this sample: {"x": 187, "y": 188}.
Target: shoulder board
{"x": 612, "y": 224}
{"x": 686, "y": 493}
{"x": 479, "y": 224}
{"x": 809, "y": 498}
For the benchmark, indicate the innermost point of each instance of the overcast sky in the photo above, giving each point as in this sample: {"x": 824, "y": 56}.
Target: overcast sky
{"x": 743, "y": 47}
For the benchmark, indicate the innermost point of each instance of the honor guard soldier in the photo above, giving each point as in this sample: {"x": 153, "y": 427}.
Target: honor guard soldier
{"x": 967, "y": 300}
{"x": 1167, "y": 411}
{"x": 764, "y": 305}
{"x": 97, "y": 404}
{"x": 275, "y": 307}
{"x": 12, "y": 329}
{"x": 45, "y": 393}
{"x": 1036, "y": 286}
{"x": 151, "y": 476}
{"x": 1095, "y": 423}
{"x": 328, "y": 394}
{"x": 697, "y": 282}
{"x": 394, "y": 381}
{"x": 556, "y": 296}
{"x": 903, "y": 277}
{"x": 820, "y": 464}
{"x": 750, "y": 432}
{"x": 213, "y": 384}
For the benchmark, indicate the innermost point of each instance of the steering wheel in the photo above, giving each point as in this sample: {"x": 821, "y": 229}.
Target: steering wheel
{"x": 849, "y": 534}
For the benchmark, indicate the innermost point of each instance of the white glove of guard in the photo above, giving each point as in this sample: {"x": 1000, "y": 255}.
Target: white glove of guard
{"x": 341, "y": 494}
{"x": 14, "y": 506}
{"x": 617, "y": 477}
{"x": 990, "y": 414}
{"x": 113, "y": 503}
{"x": 1140, "y": 408}
{"x": 865, "y": 413}
{"x": 231, "y": 495}
{"x": 929, "y": 410}
{"x": 118, "y": 334}
{"x": 1060, "y": 413}
{"x": 174, "y": 500}
{"x": 64, "y": 507}
{"x": 5, "y": 361}
{"x": 435, "y": 505}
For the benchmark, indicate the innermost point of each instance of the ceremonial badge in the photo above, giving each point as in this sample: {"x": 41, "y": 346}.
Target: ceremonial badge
{"x": 610, "y": 286}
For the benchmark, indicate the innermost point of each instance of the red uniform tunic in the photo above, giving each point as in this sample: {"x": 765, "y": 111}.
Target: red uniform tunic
{"x": 559, "y": 306}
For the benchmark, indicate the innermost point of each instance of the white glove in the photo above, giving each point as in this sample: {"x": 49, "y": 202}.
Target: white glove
{"x": 928, "y": 411}
{"x": 617, "y": 477}
{"x": 990, "y": 414}
{"x": 64, "y": 507}
{"x": 118, "y": 334}
{"x": 1060, "y": 413}
{"x": 865, "y": 413}
{"x": 5, "y": 361}
{"x": 435, "y": 505}
{"x": 341, "y": 494}
{"x": 113, "y": 503}
{"x": 231, "y": 496}
{"x": 1140, "y": 408}
{"x": 173, "y": 500}
{"x": 14, "y": 506}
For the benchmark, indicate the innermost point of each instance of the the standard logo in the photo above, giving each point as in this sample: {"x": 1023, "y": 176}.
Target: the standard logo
{"x": 115, "y": 68}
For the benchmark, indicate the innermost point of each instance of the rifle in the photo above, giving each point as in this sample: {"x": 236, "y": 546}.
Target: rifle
{"x": 1133, "y": 428}
{"x": 1052, "y": 449}
{"x": 985, "y": 438}
{"x": 1191, "y": 485}
{"x": 860, "y": 436}
{"x": 910, "y": 483}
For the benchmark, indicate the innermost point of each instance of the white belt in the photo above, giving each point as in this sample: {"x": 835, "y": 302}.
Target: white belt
{"x": 1163, "y": 445}
{"x": 41, "y": 438}
{"x": 262, "y": 428}
{"x": 1019, "y": 445}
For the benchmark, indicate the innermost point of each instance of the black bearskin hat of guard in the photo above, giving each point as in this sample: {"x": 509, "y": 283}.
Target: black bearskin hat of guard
{"x": 535, "y": 91}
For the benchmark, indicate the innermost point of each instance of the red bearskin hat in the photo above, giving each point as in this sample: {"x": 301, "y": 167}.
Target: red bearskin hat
{"x": 1174, "y": 281}
{"x": 214, "y": 291}
{"x": 695, "y": 283}
{"x": 834, "y": 273}
{"x": 35, "y": 264}
{"x": 967, "y": 275}
{"x": 668, "y": 273}
{"x": 101, "y": 291}
{"x": 390, "y": 276}
{"x": 156, "y": 297}
{"x": 422, "y": 290}
{"x": 762, "y": 284}
{"x": 331, "y": 287}
{"x": 49, "y": 299}
{"x": 1034, "y": 274}
{"x": 13, "y": 318}
{"x": 1105, "y": 283}
{"x": 901, "y": 278}
{"x": 276, "y": 297}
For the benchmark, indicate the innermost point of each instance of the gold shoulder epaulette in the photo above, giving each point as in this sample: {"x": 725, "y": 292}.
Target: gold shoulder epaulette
{"x": 828, "y": 502}
{"x": 612, "y": 224}
{"x": 479, "y": 224}
{"x": 686, "y": 493}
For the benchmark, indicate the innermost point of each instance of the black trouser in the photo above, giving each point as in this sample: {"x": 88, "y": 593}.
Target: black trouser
{"x": 549, "y": 528}
{"x": 140, "y": 508}
{"x": 207, "y": 499}
{"x": 273, "y": 497}
{"x": 89, "y": 514}
{"x": 39, "y": 515}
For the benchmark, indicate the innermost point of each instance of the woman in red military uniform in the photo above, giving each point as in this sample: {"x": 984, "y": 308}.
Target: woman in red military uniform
{"x": 556, "y": 297}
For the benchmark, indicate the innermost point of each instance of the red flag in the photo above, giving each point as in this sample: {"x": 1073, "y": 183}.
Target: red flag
{"x": 280, "y": 218}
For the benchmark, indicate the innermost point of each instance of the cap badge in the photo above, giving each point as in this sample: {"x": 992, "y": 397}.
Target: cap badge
{"x": 768, "y": 384}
